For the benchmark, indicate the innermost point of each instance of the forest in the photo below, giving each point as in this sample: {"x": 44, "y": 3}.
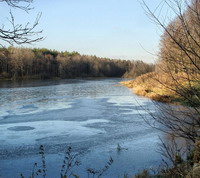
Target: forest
{"x": 25, "y": 63}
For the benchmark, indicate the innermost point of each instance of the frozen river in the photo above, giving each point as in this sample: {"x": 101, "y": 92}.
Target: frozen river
{"x": 92, "y": 116}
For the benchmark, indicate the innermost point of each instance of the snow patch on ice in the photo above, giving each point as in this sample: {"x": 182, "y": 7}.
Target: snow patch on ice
{"x": 18, "y": 109}
{"x": 133, "y": 111}
{"x": 127, "y": 101}
{"x": 44, "y": 129}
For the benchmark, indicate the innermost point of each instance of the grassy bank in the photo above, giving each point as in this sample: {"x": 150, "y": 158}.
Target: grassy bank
{"x": 148, "y": 85}
{"x": 165, "y": 87}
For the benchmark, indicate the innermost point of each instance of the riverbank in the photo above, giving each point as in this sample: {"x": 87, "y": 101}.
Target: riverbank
{"x": 166, "y": 88}
{"x": 148, "y": 85}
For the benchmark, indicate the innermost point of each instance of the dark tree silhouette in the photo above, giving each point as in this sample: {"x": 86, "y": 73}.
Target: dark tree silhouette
{"x": 42, "y": 63}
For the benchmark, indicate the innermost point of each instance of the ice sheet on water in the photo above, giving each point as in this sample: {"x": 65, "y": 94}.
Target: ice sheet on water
{"x": 89, "y": 100}
{"x": 29, "y": 108}
{"x": 21, "y": 128}
{"x": 133, "y": 111}
{"x": 129, "y": 100}
{"x": 3, "y": 114}
{"x": 46, "y": 129}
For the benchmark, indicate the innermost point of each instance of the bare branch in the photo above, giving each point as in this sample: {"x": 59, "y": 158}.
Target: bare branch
{"x": 20, "y": 4}
{"x": 18, "y": 33}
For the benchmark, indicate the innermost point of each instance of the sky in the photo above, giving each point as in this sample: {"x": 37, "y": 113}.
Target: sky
{"x": 117, "y": 29}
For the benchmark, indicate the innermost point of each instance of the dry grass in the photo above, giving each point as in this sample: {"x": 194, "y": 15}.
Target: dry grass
{"x": 159, "y": 87}
{"x": 148, "y": 86}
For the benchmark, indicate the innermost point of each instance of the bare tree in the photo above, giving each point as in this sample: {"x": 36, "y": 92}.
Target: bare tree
{"x": 19, "y": 33}
{"x": 179, "y": 62}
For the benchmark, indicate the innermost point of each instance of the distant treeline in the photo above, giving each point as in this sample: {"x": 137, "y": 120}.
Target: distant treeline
{"x": 25, "y": 63}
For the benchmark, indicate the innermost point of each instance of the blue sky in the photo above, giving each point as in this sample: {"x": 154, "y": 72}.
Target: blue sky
{"x": 106, "y": 28}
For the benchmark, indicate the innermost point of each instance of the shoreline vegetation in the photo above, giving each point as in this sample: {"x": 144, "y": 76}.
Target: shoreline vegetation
{"x": 160, "y": 87}
{"x": 148, "y": 86}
